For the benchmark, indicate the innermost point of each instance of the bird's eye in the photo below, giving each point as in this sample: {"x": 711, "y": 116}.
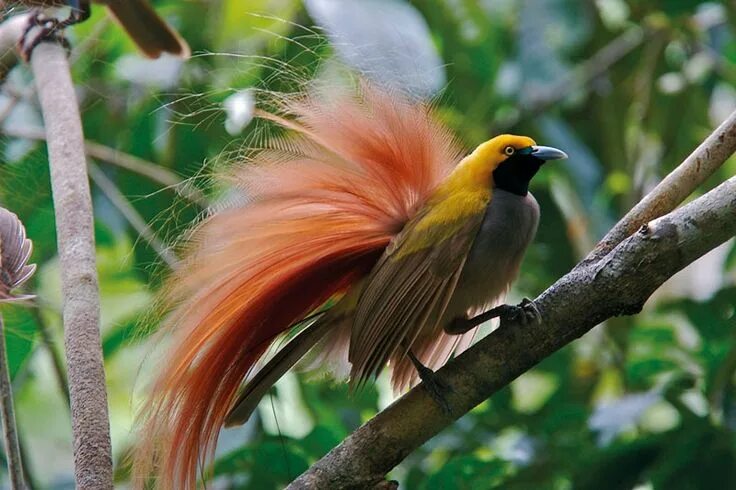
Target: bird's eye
{"x": 509, "y": 150}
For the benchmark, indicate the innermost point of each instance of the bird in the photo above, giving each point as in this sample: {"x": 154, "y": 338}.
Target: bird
{"x": 15, "y": 250}
{"x": 146, "y": 28}
{"x": 367, "y": 239}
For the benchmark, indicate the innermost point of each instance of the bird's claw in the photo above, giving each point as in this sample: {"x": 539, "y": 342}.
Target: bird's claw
{"x": 525, "y": 313}
{"x": 435, "y": 387}
{"x": 386, "y": 485}
{"x": 50, "y": 29}
{"x": 459, "y": 325}
{"x": 432, "y": 383}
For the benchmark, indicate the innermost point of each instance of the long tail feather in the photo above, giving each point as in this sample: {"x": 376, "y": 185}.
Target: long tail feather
{"x": 276, "y": 367}
{"x": 323, "y": 205}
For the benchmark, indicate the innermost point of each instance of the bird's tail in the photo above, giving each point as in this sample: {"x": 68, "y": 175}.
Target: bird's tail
{"x": 323, "y": 205}
{"x": 286, "y": 357}
{"x": 149, "y": 31}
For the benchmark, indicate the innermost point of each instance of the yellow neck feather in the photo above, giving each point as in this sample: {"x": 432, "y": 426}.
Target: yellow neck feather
{"x": 473, "y": 174}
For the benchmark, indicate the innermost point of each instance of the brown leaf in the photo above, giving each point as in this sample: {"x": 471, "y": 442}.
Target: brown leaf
{"x": 15, "y": 250}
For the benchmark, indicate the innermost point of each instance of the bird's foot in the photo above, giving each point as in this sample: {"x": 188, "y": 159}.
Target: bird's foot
{"x": 386, "y": 485}
{"x": 460, "y": 325}
{"x": 49, "y": 30}
{"x": 525, "y": 313}
{"x": 433, "y": 384}
{"x": 436, "y": 388}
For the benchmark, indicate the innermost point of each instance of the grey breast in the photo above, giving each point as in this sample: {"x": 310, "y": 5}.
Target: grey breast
{"x": 508, "y": 228}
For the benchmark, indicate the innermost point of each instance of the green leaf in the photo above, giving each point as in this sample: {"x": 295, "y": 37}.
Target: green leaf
{"x": 271, "y": 463}
{"x": 467, "y": 472}
{"x": 20, "y": 335}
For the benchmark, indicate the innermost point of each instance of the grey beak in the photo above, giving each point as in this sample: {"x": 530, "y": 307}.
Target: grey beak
{"x": 548, "y": 153}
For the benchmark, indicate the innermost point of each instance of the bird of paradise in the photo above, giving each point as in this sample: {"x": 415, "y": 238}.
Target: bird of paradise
{"x": 368, "y": 239}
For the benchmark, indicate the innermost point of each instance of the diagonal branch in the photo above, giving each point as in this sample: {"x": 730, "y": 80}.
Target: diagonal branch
{"x": 617, "y": 280}
{"x": 582, "y": 75}
{"x": 57, "y": 361}
{"x": 152, "y": 171}
{"x": 676, "y": 187}
{"x": 119, "y": 200}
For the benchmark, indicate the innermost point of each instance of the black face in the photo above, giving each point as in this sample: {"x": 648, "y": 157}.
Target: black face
{"x": 515, "y": 173}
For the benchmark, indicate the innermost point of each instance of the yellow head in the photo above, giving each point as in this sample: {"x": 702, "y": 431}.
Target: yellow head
{"x": 513, "y": 160}
{"x": 497, "y": 150}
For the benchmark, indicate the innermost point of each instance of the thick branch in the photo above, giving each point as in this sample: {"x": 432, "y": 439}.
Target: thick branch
{"x": 617, "y": 285}
{"x": 75, "y": 232}
{"x": 10, "y": 31}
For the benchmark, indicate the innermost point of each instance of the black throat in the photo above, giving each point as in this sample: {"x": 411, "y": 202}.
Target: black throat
{"x": 515, "y": 173}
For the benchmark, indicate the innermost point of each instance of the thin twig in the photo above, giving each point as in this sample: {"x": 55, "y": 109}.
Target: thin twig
{"x": 8, "y": 109}
{"x": 582, "y": 75}
{"x": 10, "y": 31}
{"x": 75, "y": 235}
{"x": 10, "y": 434}
{"x": 673, "y": 189}
{"x": 151, "y": 170}
{"x": 56, "y": 359}
{"x": 124, "y": 160}
{"x": 118, "y": 200}
{"x": 31, "y": 481}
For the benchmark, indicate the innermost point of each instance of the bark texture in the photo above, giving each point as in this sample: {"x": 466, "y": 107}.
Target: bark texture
{"x": 75, "y": 236}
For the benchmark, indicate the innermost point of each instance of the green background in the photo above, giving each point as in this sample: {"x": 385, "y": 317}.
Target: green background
{"x": 646, "y": 400}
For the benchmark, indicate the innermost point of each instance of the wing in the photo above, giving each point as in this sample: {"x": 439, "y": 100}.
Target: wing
{"x": 409, "y": 289}
{"x": 15, "y": 250}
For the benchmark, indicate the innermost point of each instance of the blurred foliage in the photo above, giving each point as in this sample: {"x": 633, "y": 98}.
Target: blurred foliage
{"x": 645, "y": 401}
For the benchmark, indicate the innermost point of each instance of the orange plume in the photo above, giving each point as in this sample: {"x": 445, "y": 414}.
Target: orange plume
{"x": 323, "y": 204}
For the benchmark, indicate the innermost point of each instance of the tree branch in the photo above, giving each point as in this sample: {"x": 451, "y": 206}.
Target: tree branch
{"x": 75, "y": 232}
{"x": 56, "y": 360}
{"x": 126, "y": 161}
{"x": 10, "y": 429}
{"x": 592, "y": 292}
{"x": 673, "y": 189}
{"x": 132, "y": 216}
{"x": 582, "y": 75}
{"x": 153, "y": 171}
{"x": 10, "y": 31}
